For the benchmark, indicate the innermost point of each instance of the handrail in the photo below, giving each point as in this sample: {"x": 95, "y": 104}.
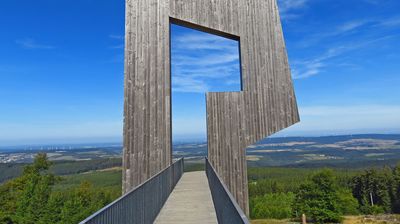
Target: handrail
{"x": 226, "y": 207}
{"x": 143, "y": 203}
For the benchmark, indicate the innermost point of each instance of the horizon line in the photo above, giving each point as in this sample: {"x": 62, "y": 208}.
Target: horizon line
{"x": 94, "y": 143}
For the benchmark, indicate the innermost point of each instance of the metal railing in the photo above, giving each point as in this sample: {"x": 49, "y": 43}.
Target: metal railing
{"x": 142, "y": 204}
{"x": 226, "y": 207}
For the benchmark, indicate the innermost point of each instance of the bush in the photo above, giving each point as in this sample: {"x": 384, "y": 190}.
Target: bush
{"x": 318, "y": 198}
{"x": 378, "y": 187}
{"x": 272, "y": 206}
{"x": 372, "y": 210}
{"x": 348, "y": 205}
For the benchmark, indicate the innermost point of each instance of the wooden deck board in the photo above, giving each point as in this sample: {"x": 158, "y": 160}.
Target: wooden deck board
{"x": 190, "y": 202}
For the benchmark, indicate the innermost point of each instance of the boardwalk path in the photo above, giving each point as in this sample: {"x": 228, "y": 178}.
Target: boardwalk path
{"x": 190, "y": 202}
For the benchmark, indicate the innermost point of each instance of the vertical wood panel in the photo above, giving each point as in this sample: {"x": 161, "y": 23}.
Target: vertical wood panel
{"x": 147, "y": 135}
{"x": 226, "y": 145}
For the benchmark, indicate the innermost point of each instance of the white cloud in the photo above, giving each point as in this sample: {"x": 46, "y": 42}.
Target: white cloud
{"x": 201, "y": 62}
{"x": 204, "y": 42}
{"x": 29, "y": 43}
{"x": 372, "y": 24}
{"x": 189, "y": 85}
{"x": 356, "y": 25}
{"x": 342, "y": 119}
{"x": 117, "y": 37}
{"x": 206, "y": 71}
{"x": 287, "y": 5}
{"x": 349, "y": 26}
{"x": 120, "y": 46}
{"x": 307, "y": 68}
{"x": 208, "y": 60}
{"x": 395, "y": 21}
{"x": 287, "y": 8}
{"x": 350, "y": 32}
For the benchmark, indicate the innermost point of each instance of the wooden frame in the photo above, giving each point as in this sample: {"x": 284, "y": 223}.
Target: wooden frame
{"x": 235, "y": 120}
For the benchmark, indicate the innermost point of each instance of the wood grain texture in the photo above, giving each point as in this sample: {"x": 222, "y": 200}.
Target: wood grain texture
{"x": 235, "y": 120}
{"x": 147, "y": 116}
{"x": 266, "y": 104}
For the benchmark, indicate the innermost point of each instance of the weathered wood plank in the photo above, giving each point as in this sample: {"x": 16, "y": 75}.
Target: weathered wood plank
{"x": 147, "y": 119}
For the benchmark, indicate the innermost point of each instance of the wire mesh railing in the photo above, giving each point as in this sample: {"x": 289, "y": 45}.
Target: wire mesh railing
{"x": 226, "y": 207}
{"x": 142, "y": 204}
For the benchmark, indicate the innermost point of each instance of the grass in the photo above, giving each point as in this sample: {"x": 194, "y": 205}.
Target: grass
{"x": 293, "y": 175}
{"x": 12, "y": 170}
{"x": 271, "y": 221}
{"x": 372, "y": 219}
{"x": 190, "y": 167}
{"x": 110, "y": 179}
{"x": 361, "y": 219}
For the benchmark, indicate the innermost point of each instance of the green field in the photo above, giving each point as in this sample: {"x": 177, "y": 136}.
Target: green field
{"x": 289, "y": 179}
{"x": 110, "y": 179}
{"x": 12, "y": 170}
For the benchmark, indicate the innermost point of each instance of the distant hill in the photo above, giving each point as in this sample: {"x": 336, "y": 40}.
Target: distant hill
{"x": 11, "y": 170}
{"x": 345, "y": 151}
{"x": 334, "y": 151}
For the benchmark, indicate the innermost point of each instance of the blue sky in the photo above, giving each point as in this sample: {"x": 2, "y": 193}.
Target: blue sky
{"x": 61, "y": 69}
{"x": 200, "y": 63}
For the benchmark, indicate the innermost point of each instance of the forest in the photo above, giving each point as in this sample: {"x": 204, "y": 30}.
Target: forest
{"x": 37, "y": 197}
{"x": 324, "y": 195}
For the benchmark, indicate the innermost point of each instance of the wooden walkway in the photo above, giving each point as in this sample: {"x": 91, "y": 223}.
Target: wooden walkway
{"x": 190, "y": 202}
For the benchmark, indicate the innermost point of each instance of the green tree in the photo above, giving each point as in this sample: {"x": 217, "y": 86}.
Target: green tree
{"x": 32, "y": 202}
{"x": 272, "y": 206}
{"x": 30, "y": 198}
{"x": 395, "y": 190}
{"x": 82, "y": 202}
{"x": 264, "y": 186}
{"x": 318, "y": 198}
{"x": 9, "y": 194}
{"x": 54, "y": 207}
{"x": 348, "y": 205}
{"x": 24, "y": 199}
{"x": 373, "y": 191}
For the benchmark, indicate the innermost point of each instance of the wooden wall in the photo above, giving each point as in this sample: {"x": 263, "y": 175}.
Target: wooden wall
{"x": 235, "y": 120}
{"x": 266, "y": 105}
{"x": 147, "y": 116}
